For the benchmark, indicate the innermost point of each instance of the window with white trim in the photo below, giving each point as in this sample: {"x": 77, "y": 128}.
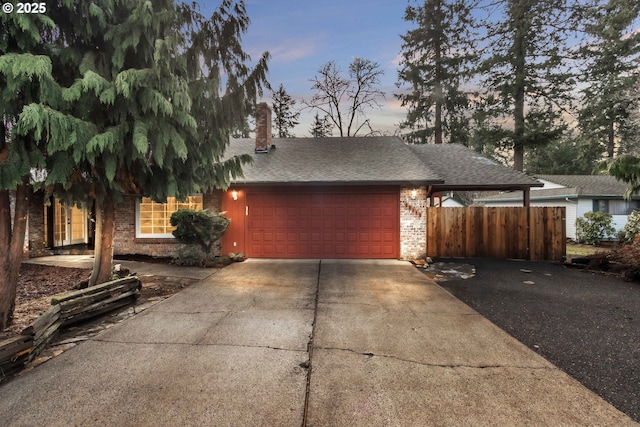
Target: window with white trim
{"x": 153, "y": 219}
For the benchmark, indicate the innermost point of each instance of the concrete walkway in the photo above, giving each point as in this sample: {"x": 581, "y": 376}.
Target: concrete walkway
{"x": 291, "y": 343}
{"x": 140, "y": 268}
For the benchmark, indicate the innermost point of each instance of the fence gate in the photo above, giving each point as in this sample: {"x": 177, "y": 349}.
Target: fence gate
{"x": 535, "y": 233}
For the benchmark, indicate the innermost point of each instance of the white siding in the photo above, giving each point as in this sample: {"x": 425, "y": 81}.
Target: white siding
{"x": 586, "y": 205}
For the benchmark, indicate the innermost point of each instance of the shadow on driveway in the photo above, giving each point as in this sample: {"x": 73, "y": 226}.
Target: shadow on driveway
{"x": 586, "y": 324}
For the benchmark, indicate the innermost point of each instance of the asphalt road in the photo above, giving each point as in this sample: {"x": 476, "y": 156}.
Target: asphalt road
{"x": 586, "y": 324}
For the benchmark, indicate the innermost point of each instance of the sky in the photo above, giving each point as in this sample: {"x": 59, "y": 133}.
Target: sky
{"x": 302, "y": 36}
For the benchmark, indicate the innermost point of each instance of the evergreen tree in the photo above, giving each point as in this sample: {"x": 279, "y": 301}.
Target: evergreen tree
{"x": 524, "y": 68}
{"x": 284, "y": 118}
{"x": 149, "y": 93}
{"x": 321, "y": 127}
{"x": 26, "y": 77}
{"x": 612, "y": 54}
{"x": 436, "y": 59}
{"x": 625, "y": 168}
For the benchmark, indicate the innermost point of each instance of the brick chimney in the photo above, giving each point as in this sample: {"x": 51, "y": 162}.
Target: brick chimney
{"x": 263, "y": 128}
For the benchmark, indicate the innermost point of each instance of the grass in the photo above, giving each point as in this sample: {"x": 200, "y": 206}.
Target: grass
{"x": 577, "y": 249}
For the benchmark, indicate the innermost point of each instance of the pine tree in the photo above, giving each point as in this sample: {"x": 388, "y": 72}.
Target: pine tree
{"x": 133, "y": 105}
{"x": 625, "y": 168}
{"x": 436, "y": 60}
{"x": 524, "y": 68}
{"x": 26, "y": 78}
{"x": 612, "y": 54}
{"x": 321, "y": 127}
{"x": 284, "y": 118}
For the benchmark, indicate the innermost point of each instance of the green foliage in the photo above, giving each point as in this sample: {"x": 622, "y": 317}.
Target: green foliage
{"x": 631, "y": 230}
{"x": 321, "y": 127}
{"x": 594, "y": 227}
{"x": 566, "y": 156}
{"x": 625, "y": 168}
{"x": 525, "y": 70}
{"x": 200, "y": 227}
{"x": 188, "y": 256}
{"x": 284, "y": 118}
{"x": 436, "y": 60}
{"x": 610, "y": 72}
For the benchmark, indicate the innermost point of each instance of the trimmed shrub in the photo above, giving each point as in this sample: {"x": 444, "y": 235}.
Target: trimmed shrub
{"x": 199, "y": 227}
{"x": 594, "y": 227}
{"x": 188, "y": 255}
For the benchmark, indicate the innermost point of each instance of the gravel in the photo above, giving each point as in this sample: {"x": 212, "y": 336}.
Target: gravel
{"x": 587, "y": 324}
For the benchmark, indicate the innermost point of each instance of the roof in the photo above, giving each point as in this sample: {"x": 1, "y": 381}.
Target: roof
{"x": 383, "y": 160}
{"x": 464, "y": 169}
{"x": 575, "y": 186}
{"x": 380, "y": 160}
{"x": 589, "y": 185}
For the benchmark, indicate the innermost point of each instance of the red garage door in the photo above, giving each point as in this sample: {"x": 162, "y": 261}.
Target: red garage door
{"x": 323, "y": 224}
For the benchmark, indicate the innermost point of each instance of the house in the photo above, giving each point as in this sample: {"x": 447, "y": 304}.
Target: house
{"x": 578, "y": 194}
{"x": 320, "y": 198}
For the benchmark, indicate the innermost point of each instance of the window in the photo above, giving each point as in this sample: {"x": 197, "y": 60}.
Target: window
{"x": 154, "y": 218}
{"x": 616, "y": 207}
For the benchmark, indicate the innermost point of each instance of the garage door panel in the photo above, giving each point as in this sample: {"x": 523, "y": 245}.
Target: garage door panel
{"x": 323, "y": 225}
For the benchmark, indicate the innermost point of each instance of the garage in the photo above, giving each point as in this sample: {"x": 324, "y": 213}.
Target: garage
{"x": 322, "y": 223}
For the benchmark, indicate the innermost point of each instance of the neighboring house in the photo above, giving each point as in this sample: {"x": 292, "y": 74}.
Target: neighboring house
{"x": 578, "y": 194}
{"x": 321, "y": 198}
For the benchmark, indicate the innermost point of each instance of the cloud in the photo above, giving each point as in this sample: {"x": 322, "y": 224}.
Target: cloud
{"x": 289, "y": 50}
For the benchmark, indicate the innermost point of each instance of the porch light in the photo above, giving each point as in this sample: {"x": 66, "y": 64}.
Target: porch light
{"x": 234, "y": 195}
{"x": 414, "y": 194}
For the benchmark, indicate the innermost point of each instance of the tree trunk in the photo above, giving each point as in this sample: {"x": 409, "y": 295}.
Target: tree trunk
{"x": 12, "y": 240}
{"x": 611, "y": 141}
{"x": 105, "y": 226}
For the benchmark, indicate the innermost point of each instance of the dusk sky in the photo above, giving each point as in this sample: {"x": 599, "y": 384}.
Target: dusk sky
{"x": 302, "y": 36}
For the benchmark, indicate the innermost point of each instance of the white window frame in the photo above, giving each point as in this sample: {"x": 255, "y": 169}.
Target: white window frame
{"x": 140, "y": 235}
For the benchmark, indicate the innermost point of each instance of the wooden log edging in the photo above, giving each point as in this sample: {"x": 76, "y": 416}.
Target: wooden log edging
{"x": 66, "y": 309}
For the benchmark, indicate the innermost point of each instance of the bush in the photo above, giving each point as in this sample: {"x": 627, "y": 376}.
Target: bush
{"x": 632, "y": 229}
{"x": 188, "y": 255}
{"x": 594, "y": 227}
{"x": 200, "y": 227}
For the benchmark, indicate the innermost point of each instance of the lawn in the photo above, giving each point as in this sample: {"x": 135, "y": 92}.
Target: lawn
{"x": 577, "y": 249}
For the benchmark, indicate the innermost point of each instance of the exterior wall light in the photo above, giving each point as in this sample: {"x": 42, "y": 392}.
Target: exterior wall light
{"x": 234, "y": 195}
{"x": 414, "y": 194}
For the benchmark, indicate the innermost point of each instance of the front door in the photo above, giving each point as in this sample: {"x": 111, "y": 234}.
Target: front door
{"x": 69, "y": 224}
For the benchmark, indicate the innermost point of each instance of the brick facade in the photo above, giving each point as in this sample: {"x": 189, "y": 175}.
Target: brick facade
{"x": 413, "y": 222}
{"x": 263, "y": 127}
{"x": 36, "y": 238}
{"x": 125, "y": 241}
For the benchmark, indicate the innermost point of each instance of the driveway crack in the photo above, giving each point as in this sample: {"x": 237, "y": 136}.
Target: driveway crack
{"x": 438, "y": 365}
{"x": 309, "y": 364}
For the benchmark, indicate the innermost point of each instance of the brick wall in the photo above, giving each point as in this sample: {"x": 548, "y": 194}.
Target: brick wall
{"x": 413, "y": 222}
{"x": 125, "y": 241}
{"x": 36, "y": 238}
{"x": 263, "y": 127}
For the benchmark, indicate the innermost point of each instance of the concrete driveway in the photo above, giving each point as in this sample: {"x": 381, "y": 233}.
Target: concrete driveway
{"x": 291, "y": 343}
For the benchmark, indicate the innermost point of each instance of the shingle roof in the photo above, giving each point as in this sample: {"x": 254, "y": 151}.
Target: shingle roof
{"x": 589, "y": 185}
{"x": 381, "y": 160}
{"x": 374, "y": 160}
{"x": 586, "y": 186}
{"x": 460, "y": 167}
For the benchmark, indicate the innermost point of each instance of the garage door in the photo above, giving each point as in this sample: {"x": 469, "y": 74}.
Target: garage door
{"x": 323, "y": 225}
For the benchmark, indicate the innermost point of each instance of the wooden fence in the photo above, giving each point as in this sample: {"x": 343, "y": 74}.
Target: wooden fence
{"x": 66, "y": 309}
{"x": 535, "y": 233}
